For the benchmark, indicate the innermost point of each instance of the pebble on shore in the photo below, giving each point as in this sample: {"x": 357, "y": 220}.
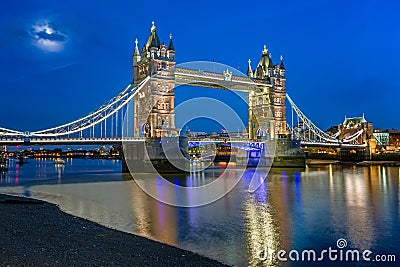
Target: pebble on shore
{"x": 36, "y": 233}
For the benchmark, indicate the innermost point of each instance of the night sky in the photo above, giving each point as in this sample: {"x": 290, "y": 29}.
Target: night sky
{"x": 60, "y": 60}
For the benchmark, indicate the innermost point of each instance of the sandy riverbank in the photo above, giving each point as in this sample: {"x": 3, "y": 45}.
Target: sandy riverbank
{"x": 36, "y": 233}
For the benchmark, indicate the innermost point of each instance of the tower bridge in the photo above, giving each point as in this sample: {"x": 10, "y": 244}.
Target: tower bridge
{"x": 150, "y": 100}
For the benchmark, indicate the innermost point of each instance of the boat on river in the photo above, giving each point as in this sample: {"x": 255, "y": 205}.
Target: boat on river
{"x": 59, "y": 162}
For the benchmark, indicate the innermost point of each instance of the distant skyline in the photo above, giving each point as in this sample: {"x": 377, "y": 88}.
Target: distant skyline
{"x": 61, "y": 60}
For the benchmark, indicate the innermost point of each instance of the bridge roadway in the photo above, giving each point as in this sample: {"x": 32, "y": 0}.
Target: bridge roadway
{"x": 225, "y": 80}
{"x": 65, "y": 141}
{"x": 15, "y": 141}
{"x": 118, "y": 141}
{"x": 302, "y": 143}
{"x": 333, "y": 145}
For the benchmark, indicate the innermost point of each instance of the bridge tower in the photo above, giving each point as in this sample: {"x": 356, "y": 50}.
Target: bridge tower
{"x": 270, "y": 97}
{"x": 158, "y": 61}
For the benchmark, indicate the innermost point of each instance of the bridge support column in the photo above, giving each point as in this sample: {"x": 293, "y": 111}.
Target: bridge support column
{"x": 149, "y": 156}
{"x": 289, "y": 154}
{"x": 133, "y": 159}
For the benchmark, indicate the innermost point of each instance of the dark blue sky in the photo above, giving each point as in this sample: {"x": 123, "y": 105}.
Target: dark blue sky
{"x": 60, "y": 60}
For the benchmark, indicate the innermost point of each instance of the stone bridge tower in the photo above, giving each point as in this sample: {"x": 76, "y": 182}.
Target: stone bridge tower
{"x": 269, "y": 103}
{"x": 154, "y": 104}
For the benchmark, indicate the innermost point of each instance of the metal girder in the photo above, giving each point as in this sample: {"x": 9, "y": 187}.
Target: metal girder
{"x": 94, "y": 118}
{"x": 353, "y": 137}
{"x": 8, "y": 132}
{"x": 310, "y": 126}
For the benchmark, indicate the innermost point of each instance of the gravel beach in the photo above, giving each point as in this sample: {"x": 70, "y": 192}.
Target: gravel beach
{"x": 36, "y": 233}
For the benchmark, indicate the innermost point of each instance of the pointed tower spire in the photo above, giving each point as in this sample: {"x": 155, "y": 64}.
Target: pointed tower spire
{"x": 264, "y": 60}
{"x": 281, "y": 66}
{"x": 154, "y": 40}
{"x": 171, "y": 49}
{"x": 171, "y": 44}
{"x": 265, "y": 50}
{"x": 270, "y": 63}
{"x": 136, "y": 54}
{"x": 136, "y": 47}
{"x": 249, "y": 70}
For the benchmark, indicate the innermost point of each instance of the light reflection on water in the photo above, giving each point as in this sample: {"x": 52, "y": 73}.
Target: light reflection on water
{"x": 294, "y": 209}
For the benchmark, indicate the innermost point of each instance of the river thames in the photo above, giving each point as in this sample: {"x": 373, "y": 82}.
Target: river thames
{"x": 308, "y": 209}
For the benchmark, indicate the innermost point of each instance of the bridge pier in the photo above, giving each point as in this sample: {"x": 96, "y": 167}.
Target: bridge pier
{"x": 261, "y": 156}
{"x": 289, "y": 154}
{"x": 283, "y": 153}
{"x": 149, "y": 156}
{"x": 132, "y": 151}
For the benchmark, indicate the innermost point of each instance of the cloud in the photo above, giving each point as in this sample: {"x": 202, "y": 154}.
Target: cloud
{"x": 55, "y": 37}
{"x": 47, "y": 36}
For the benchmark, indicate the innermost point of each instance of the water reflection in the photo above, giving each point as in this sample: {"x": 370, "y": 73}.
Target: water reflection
{"x": 3, "y": 177}
{"x": 262, "y": 230}
{"x": 358, "y": 214}
{"x": 59, "y": 170}
{"x": 293, "y": 209}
